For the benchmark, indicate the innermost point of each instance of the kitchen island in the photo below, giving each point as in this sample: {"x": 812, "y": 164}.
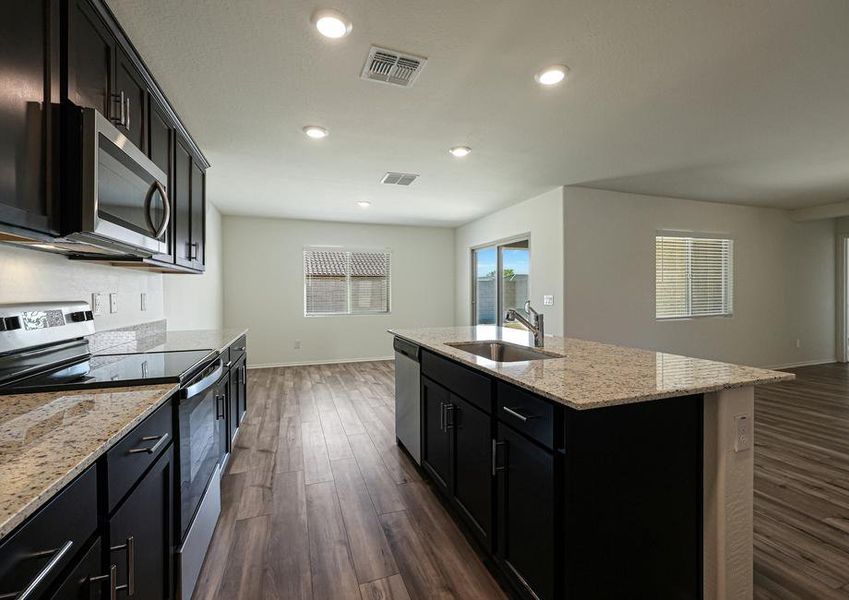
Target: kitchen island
{"x": 592, "y": 470}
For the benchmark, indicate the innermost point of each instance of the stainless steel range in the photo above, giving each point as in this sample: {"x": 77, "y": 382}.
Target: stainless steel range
{"x": 43, "y": 347}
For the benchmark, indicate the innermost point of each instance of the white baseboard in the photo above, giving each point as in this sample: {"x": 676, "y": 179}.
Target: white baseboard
{"x": 805, "y": 363}
{"x": 307, "y": 363}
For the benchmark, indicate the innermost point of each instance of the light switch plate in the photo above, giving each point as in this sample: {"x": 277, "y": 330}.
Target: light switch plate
{"x": 96, "y": 304}
{"x": 548, "y": 300}
{"x": 742, "y": 433}
{"x": 113, "y": 302}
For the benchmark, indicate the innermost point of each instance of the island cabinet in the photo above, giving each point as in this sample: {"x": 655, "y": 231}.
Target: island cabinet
{"x": 109, "y": 533}
{"x": 602, "y": 503}
{"x": 457, "y": 441}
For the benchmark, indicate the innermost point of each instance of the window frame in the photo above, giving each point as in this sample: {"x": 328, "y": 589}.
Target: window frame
{"x": 728, "y": 281}
{"x": 348, "y": 250}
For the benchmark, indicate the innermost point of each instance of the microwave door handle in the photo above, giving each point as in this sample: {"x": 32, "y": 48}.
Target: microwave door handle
{"x": 166, "y": 203}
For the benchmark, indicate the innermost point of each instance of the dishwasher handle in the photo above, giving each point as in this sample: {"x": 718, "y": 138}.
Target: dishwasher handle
{"x": 406, "y": 348}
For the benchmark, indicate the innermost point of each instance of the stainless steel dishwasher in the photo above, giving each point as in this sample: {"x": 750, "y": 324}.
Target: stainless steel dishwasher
{"x": 408, "y": 414}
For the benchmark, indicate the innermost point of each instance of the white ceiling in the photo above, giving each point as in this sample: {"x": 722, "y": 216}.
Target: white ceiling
{"x": 723, "y": 100}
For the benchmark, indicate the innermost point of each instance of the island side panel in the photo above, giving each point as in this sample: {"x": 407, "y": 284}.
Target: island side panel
{"x": 728, "y": 497}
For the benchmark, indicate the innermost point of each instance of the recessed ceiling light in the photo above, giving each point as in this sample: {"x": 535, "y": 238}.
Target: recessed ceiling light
{"x": 316, "y": 132}
{"x": 363, "y": 203}
{"x": 460, "y": 151}
{"x": 332, "y": 24}
{"x": 551, "y": 75}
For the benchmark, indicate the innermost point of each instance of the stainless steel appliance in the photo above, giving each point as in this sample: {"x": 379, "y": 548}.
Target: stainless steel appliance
{"x": 408, "y": 398}
{"x": 43, "y": 348}
{"x": 117, "y": 198}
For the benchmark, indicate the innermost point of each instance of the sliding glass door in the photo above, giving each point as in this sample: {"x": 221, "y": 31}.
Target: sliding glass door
{"x": 501, "y": 280}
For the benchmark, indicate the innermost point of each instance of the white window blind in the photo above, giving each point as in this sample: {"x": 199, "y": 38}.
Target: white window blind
{"x": 342, "y": 281}
{"x": 693, "y": 277}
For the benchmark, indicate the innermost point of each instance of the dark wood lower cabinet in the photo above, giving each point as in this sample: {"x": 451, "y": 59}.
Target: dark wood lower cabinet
{"x": 88, "y": 580}
{"x": 436, "y": 439}
{"x": 526, "y": 503}
{"x": 472, "y": 461}
{"x": 141, "y": 536}
{"x": 603, "y": 503}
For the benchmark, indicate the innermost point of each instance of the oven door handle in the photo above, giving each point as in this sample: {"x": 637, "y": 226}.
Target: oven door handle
{"x": 204, "y": 384}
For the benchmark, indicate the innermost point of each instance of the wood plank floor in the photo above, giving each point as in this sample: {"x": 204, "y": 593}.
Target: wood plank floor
{"x": 318, "y": 501}
{"x": 802, "y": 485}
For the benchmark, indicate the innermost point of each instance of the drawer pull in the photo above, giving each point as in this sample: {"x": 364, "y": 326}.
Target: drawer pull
{"x": 112, "y": 577}
{"x": 240, "y": 349}
{"x": 518, "y": 415}
{"x": 57, "y": 557}
{"x": 130, "y": 547}
{"x": 149, "y": 438}
{"x": 229, "y": 364}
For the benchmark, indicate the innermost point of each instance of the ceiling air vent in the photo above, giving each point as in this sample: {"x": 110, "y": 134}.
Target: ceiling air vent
{"x": 395, "y": 68}
{"x": 399, "y": 178}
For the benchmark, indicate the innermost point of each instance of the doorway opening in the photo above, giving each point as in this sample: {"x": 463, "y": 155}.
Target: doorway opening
{"x": 500, "y": 280}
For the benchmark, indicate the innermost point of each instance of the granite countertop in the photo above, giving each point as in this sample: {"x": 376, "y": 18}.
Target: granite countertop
{"x": 47, "y": 439}
{"x": 588, "y": 374}
{"x": 172, "y": 341}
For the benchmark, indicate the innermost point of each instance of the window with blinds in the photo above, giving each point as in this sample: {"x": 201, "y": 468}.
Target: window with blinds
{"x": 341, "y": 281}
{"x": 693, "y": 277}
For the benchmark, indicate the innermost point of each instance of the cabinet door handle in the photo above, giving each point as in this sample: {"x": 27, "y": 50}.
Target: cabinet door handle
{"x": 193, "y": 250}
{"x": 520, "y": 416}
{"x": 112, "y": 577}
{"x": 55, "y": 559}
{"x": 449, "y": 416}
{"x": 149, "y": 438}
{"x": 442, "y": 416}
{"x": 127, "y": 112}
{"x": 130, "y": 547}
{"x": 217, "y": 414}
{"x": 119, "y": 99}
{"x": 495, "y": 467}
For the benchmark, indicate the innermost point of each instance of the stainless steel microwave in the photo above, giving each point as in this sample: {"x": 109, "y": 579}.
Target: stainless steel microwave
{"x": 121, "y": 205}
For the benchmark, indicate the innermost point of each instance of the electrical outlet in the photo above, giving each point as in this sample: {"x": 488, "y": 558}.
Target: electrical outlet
{"x": 548, "y": 300}
{"x": 143, "y": 301}
{"x": 742, "y": 433}
{"x": 113, "y": 302}
{"x": 297, "y": 344}
{"x": 97, "y": 304}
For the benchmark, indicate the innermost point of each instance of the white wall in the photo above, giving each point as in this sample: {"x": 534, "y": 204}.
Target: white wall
{"x": 187, "y": 301}
{"x": 34, "y": 276}
{"x": 783, "y": 278}
{"x": 542, "y": 218}
{"x": 197, "y": 301}
{"x": 263, "y": 287}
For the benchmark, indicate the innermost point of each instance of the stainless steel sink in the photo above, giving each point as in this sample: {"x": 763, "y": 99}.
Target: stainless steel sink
{"x": 501, "y": 351}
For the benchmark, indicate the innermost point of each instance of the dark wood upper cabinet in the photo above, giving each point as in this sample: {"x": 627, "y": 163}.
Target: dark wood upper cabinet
{"x": 91, "y": 60}
{"x": 160, "y": 149}
{"x": 26, "y": 37}
{"x": 198, "y": 217}
{"x": 130, "y": 95}
{"x": 181, "y": 204}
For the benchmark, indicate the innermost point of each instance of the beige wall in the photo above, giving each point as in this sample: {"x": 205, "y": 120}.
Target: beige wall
{"x": 542, "y": 218}
{"x": 264, "y": 287}
{"x": 196, "y": 301}
{"x": 783, "y": 278}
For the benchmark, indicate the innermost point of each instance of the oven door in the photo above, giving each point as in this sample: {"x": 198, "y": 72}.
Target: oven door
{"x": 200, "y": 424}
{"x": 124, "y": 194}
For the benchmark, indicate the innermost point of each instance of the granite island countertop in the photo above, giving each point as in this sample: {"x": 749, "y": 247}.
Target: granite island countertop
{"x": 178, "y": 340}
{"x": 584, "y": 374}
{"x": 47, "y": 439}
